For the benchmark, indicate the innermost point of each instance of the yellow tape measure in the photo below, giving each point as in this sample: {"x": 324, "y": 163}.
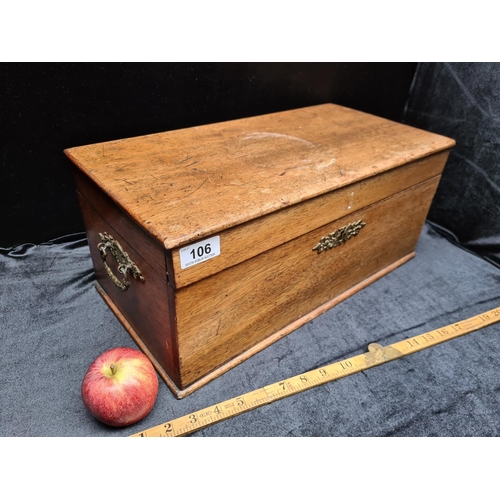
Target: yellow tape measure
{"x": 375, "y": 356}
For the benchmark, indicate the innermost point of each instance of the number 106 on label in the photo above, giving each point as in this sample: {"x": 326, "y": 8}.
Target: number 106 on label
{"x": 199, "y": 252}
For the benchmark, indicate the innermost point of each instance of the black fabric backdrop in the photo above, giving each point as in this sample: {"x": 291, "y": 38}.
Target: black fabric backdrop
{"x": 462, "y": 101}
{"x": 54, "y": 323}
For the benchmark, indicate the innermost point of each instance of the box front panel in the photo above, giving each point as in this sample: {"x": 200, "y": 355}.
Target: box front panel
{"x": 224, "y": 315}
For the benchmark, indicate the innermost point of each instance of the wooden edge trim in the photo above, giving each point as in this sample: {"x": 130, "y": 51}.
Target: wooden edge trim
{"x": 182, "y": 393}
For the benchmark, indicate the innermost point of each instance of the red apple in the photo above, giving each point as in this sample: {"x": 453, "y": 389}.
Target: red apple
{"x": 120, "y": 387}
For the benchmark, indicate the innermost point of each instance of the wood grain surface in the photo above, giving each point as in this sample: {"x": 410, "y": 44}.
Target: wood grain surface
{"x": 147, "y": 305}
{"x": 186, "y": 184}
{"x": 224, "y": 315}
{"x": 270, "y": 187}
{"x": 247, "y": 240}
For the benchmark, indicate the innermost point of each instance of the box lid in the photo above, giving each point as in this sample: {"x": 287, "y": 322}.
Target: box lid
{"x": 191, "y": 183}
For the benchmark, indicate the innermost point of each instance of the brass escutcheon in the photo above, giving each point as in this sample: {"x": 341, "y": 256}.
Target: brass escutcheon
{"x": 125, "y": 264}
{"x": 339, "y": 236}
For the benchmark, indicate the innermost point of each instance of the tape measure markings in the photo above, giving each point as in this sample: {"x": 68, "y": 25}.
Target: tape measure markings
{"x": 375, "y": 356}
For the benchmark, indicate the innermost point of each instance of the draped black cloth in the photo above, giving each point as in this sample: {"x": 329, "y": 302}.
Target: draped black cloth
{"x": 462, "y": 101}
{"x": 54, "y": 323}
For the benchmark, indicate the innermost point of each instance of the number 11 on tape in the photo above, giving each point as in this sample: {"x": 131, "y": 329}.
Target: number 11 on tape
{"x": 199, "y": 252}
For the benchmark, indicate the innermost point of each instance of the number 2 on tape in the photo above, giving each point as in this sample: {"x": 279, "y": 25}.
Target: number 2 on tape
{"x": 199, "y": 252}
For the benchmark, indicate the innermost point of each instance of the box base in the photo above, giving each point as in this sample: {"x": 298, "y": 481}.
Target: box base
{"x": 181, "y": 393}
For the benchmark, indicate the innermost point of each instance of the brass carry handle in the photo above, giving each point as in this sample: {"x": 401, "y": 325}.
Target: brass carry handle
{"x": 339, "y": 236}
{"x": 125, "y": 264}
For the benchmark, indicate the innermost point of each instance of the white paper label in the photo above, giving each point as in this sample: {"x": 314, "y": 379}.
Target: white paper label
{"x": 200, "y": 252}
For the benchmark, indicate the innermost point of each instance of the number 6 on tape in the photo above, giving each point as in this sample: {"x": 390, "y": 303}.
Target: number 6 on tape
{"x": 199, "y": 252}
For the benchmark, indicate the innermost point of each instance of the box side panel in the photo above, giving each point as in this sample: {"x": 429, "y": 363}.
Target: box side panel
{"x": 145, "y": 305}
{"x": 247, "y": 240}
{"x": 222, "y": 316}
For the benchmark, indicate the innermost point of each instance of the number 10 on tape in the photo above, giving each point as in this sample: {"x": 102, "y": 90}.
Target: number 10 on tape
{"x": 199, "y": 252}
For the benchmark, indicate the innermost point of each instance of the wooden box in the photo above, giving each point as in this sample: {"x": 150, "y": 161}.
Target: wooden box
{"x": 212, "y": 242}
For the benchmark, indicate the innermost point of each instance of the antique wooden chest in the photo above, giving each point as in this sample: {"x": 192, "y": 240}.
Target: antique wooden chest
{"x": 212, "y": 242}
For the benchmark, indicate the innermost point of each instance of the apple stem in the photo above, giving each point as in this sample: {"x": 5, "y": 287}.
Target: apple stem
{"x": 113, "y": 369}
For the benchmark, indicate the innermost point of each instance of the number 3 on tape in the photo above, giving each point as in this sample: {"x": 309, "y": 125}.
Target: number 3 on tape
{"x": 199, "y": 252}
